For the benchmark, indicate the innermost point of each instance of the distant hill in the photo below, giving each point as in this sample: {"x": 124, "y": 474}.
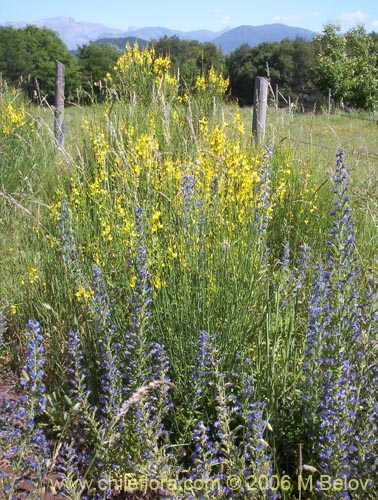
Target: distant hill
{"x": 71, "y": 32}
{"x": 254, "y": 35}
{"x": 74, "y": 33}
{"x": 121, "y": 42}
{"x": 150, "y": 33}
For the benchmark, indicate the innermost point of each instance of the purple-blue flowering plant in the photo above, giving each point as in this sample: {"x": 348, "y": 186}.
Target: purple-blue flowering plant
{"x": 25, "y": 449}
{"x": 339, "y": 389}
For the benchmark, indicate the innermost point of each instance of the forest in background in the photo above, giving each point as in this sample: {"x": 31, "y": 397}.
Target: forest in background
{"x": 345, "y": 63}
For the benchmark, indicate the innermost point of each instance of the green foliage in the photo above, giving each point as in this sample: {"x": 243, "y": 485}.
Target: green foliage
{"x": 123, "y": 41}
{"x": 96, "y": 60}
{"x": 286, "y": 64}
{"x": 331, "y": 70}
{"x": 364, "y": 64}
{"x": 347, "y": 64}
{"x": 242, "y": 72}
{"x": 166, "y": 221}
{"x": 190, "y": 57}
{"x": 27, "y": 58}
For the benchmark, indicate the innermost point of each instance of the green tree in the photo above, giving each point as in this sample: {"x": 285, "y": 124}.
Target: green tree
{"x": 190, "y": 58}
{"x": 286, "y": 63}
{"x": 363, "y": 55}
{"x": 331, "y": 69}
{"x": 347, "y": 63}
{"x": 242, "y": 72}
{"x": 27, "y": 58}
{"x": 95, "y": 61}
{"x": 303, "y": 61}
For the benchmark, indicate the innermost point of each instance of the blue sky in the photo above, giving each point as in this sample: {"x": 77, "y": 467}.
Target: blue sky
{"x": 185, "y": 15}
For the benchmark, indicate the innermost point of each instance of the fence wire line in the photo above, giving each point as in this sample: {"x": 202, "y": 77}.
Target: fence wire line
{"x": 343, "y": 115}
{"x": 369, "y": 156}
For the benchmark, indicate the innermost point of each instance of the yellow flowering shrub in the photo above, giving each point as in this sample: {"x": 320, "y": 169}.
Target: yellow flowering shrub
{"x": 12, "y": 118}
{"x": 140, "y": 74}
{"x": 212, "y": 83}
{"x": 199, "y": 194}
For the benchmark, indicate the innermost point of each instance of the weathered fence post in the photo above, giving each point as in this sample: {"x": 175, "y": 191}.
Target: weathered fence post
{"x": 260, "y": 105}
{"x": 276, "y": 98}
{"x": 329, "y": 101}
{"x": 59, "y": 103}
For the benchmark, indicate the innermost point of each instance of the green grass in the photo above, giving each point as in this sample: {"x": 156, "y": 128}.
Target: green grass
{"x": 313, "y": 140}
{"x": 206, "y": 248}
{"x": 33, "y": 169}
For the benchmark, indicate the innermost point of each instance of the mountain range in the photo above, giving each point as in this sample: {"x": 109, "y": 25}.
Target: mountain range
{"x": 74, "y": 33}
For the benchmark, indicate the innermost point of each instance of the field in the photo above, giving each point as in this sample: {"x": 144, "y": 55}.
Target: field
{"x": 185, "y": 315}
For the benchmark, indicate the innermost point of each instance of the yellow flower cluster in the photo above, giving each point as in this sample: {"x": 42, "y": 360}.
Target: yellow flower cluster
{"x": 141, "y": 73}
{"x": 200, "y": 83}
{"x": 215, "y": 83}
{"x": 134, "y": 57}
{"x": 197, "y": 177}
{"x": 228, "y": 166}
{"x": 13, "y": 309}
{"x": 83, "y": 294}
{"x": 156, "y": 221}
{"x": 100, "y": 147}
{"x": 12, "y": 118}
{"x": 31, "y": 277}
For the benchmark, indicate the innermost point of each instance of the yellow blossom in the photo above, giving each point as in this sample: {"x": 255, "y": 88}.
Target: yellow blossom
{"x": 106, "y": 230}
{"x": 156, "y": 223}
{"x": 32, "y": 275}
{"x": 133, "y": 280}
{"x": 12, "y": 118}
{"x": 200, "y": 83}
{"x": 172, "y": 253}
{"x": 157, "y": 283}
{"x": 83, "y": 293}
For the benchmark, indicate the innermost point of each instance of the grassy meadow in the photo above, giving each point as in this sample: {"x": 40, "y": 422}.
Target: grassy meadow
{"x": 185, "y": 315}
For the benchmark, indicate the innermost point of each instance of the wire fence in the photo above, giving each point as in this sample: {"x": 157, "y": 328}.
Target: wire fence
{"x": 369, "y": 156}
{"x": 353, "y": 117}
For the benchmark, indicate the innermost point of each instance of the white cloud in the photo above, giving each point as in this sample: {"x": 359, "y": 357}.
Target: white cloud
{"x": 375, "y": 23}
{"x": 290, "y": 17}
{"x": 316, "y": 14}
{"x": 353, "y": 17}
{"x": 226, "y": 20}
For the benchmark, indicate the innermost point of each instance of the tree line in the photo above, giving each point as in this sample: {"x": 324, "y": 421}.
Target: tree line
{"x": 345, "y": 63}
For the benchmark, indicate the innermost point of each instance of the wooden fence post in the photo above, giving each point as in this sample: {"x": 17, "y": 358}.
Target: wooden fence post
{"x": 260, "y": 105}
{"x": 59, "y": 123}
{"x": 276, "y": 98}
{"x": 329, "y": 101}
